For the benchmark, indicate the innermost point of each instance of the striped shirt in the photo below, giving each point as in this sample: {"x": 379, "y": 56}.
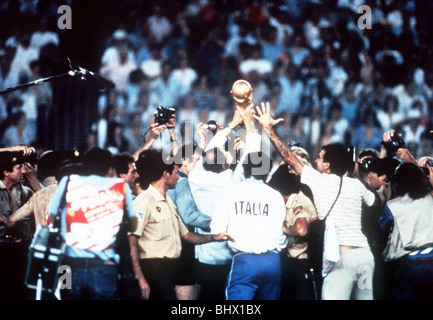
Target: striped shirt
{"x": 346, "y": 213}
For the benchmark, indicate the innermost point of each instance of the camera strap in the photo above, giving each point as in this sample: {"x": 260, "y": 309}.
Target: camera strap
{"x": 338, "y": 194}
{"x": 58, "y": 218}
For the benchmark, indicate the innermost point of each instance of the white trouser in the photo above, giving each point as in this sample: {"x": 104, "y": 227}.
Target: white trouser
{"x": 351, "y": 277}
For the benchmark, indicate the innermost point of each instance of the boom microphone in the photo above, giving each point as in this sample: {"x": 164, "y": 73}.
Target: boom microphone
{"x": 98, "y": 80}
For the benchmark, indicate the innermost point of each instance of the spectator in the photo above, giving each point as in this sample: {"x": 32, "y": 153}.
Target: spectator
{"x": 151, "y": 67}
{"x": 18, "y": 132}
{"x": 409, "y": 226}
{"x": 165, "y": 90}
{"x": 292, "y": 90}
{"x": 388, "y": 115}
{"x": 159, "y": 26}
{"x": 112, "y": 52}
{"x": 367, "y": 134}
{"x": 298, "y": 51}
{"x": 119, "y": 70}
{"x": 255, "y": 62}
{"x": 44, "y": 35}
{"x": 184, "y": 75}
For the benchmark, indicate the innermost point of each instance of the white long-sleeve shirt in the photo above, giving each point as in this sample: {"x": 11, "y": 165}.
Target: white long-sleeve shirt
{"x": 206, "y": 187}
{"x": 253, "y": 214}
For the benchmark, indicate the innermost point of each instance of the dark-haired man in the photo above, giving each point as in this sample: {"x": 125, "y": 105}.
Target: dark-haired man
{"x": 14, "y": 240}
{"x": 93, "y": 206}
{"x": 254, "y": 214}
{"x": 186, "y": 284}
{"x": 124, "y": 167}
{"x": 209, "y": 177}
{"x": 351, "y": 276}
{"x": 156, "y": 241}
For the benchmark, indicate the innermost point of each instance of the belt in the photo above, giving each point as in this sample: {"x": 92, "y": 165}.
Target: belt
{"x": 426, "y": 253}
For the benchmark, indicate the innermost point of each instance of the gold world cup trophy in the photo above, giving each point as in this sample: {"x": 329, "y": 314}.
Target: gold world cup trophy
{"x": 242, "y": 93}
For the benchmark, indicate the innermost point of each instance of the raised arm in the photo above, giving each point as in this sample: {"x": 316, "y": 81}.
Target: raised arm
{"x": 155, "y": 131}
{"x": 263, "y": 116}
{"x": 401, "y": 153}
{"x": 171, "y": 126}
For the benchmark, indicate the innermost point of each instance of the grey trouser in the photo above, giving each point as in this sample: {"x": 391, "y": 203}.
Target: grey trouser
{"x": 351, "y": 277}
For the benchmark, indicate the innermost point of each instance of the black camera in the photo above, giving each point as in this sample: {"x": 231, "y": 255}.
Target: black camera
{"x": 212, "y": 125}
{"x": 393, "y": 145}
{"x": 163, "y": 115}
{"x": 44, "y": 259}
{"x": 365, "y": 164}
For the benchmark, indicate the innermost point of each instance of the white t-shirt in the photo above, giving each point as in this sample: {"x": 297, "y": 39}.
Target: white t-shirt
{"x": 346, "y": 213}
{"x": 253, "y": 214}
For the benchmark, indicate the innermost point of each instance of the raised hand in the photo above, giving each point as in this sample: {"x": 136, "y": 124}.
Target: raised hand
{"x": 264, "y": 117}
{"x": 156, "y": 129}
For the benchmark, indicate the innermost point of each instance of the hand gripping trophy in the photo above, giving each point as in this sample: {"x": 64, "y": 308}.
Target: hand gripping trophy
{"x": 242, "y": 93}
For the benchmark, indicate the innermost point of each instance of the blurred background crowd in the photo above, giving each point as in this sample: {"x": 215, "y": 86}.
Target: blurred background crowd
{"x": 331, "y": 80}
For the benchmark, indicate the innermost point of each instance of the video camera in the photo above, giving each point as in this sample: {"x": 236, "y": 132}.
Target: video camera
{"x": 365, "y": 164}
{"x": 393, "y": 145}
{"x": 45, "y": 257}
{"x": 163, "y": 115}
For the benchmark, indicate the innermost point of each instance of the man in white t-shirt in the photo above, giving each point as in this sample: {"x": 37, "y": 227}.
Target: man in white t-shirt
{"x": 254, "y": 213}
{"x": 208, "y": 178}
{"x": 352, "y": 275}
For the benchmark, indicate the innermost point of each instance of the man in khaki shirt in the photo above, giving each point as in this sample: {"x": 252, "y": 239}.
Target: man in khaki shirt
{"x": 300, "y": 211}
{"x": 156, "y": 241}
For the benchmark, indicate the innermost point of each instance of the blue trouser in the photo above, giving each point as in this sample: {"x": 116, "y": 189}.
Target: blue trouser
{"x": 254, "y": 276}
{"x": 414, "y": 280}
{"x": 92, "y": 279}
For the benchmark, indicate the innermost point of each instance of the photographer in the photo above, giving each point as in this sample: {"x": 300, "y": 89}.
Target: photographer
{"x": 14, "y": 241}
{"x": 408, "y": 221}
{"x": 164, "y": 118}
{"x": 342, "y": 197}
{"x": 426, "y": 164}
{"x": 376, "y": 174}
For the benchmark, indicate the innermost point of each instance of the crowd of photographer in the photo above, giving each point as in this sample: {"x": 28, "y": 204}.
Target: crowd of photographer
{"x": 335, "y": 81}
{"x": 376, "y": 207}
{"x": 329, "y": 85}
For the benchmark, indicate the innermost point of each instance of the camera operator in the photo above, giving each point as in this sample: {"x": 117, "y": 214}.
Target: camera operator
{"x": 14, "y": 241}
{"x": 376, "y": 174}
{"x": 164, "y": 118}
{"x": 408, "y": 221}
